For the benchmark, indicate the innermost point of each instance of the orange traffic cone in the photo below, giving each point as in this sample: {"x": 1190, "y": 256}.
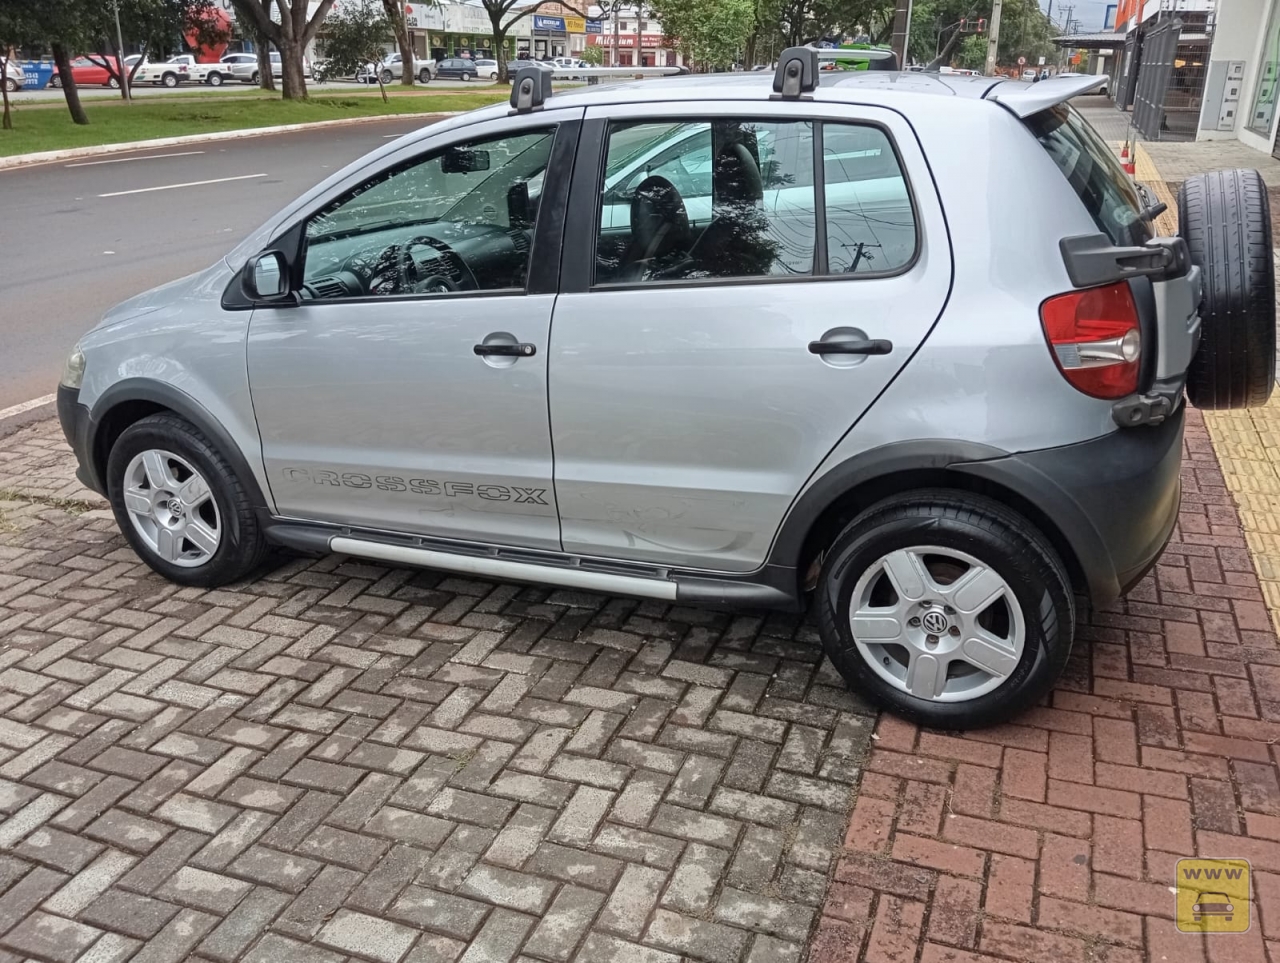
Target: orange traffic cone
{"x": 1124, "y": 151}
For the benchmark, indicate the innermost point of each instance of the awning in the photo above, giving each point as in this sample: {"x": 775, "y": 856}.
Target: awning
{"x": 1090, "y": 41}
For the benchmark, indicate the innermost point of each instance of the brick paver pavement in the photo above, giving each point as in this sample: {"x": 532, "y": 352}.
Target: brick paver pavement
{"x": 1055, "y": 838}
{"x": 346, "y": 760}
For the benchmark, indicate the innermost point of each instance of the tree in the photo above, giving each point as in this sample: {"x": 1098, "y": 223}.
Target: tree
{"x": 710, "y": 33}
{"x": 789, "y": 23}
{"x": 937, "y": 40}
{"x": 499, "y": 20}
{"x": 394, "y": 15}
{"x": 153, "y": 25}
{"x": 17, "y": 29}
{"x": 290, "y": 36}
{"x": 354, "y": 35}
{"x": 593, "y": 55}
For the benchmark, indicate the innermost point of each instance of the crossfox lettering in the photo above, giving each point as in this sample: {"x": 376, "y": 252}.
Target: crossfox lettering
{"x": 417, "y": 486}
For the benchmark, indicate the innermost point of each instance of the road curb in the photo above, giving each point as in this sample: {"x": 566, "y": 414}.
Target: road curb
{"x": 27, "y": 413}
{"x": 71, "y": 153}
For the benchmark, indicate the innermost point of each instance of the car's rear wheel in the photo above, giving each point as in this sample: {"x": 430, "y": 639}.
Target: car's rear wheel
{"x": 215, "y": 79}
{"x": 113, "y": 84}
{"x": 10, "y": 84}
{"x": 1226, "y": 221}
{"x": 179, "y": 503}
{"x": 55, "y": 81}
{"x": 256, "y": 78}
{"x": 169, "y": 80}
{"x": 945, "y": 608}
{"x": 424, "y": 76}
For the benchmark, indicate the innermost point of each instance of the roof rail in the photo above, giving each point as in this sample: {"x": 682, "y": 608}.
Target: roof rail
{"x": 531, "y": 87}
{"x": 797, "y": 73}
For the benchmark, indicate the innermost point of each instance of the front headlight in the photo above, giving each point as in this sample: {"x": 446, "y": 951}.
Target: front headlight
{"x": 73, "y": 370}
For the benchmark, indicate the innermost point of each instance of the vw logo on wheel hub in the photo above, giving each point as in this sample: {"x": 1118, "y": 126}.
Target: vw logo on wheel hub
{"x": 174, "y": 506}
{"x": 935, "y": 623}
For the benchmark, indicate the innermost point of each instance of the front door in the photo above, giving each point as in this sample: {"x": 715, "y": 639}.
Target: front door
{"x": 775, "y": 267}
{"x": 407, "y": 391}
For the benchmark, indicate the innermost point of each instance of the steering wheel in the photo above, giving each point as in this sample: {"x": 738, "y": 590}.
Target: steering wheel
{"x": 437, "y": 284}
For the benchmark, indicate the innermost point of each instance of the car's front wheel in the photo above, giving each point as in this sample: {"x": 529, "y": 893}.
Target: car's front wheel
{"x": 386, "y": 77}
{"x": 55, "y": 81}
{"x": 946, "y": 608}
{"x": 256, "y": 78}
{"x": 113, "y": 84}
{"x": 215, "y": 79}
{"x": 180, "y": 505}
{"x": 10, "y": 85}
{"x": 170, "y": 80}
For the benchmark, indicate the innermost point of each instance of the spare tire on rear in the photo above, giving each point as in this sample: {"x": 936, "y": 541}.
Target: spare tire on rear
{"x": 1226, "y": 221}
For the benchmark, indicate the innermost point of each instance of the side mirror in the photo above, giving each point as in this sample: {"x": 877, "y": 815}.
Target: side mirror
{"x": 265, "y": 278}
{"x": 457, "y": 160}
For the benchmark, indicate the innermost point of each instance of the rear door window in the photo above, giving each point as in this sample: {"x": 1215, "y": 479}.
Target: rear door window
{"x": 1094, "y": 172}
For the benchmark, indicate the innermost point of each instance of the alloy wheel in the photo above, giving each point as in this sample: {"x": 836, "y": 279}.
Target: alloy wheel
{"x": 937, "y": 623}
{"x": 172, "y": 508}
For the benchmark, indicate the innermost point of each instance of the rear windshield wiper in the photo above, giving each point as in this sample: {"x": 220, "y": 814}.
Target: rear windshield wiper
{"x": 1151, "y": 206}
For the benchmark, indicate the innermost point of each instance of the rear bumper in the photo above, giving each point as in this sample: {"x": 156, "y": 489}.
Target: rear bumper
{"x": 1114, "y": 499}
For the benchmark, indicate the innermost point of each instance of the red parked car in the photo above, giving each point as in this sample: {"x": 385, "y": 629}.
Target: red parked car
{"x": 86, "y": 74}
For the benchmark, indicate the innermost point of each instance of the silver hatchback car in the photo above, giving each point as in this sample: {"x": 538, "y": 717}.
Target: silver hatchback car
{"x": 903, "y": 348}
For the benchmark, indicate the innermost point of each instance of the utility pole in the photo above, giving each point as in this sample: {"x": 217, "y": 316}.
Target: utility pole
{"x": 639, "y": 36}
{"x": 124, "y": 71}
{"x": 902, "y": 31}
{"x": 993, "y": 39}
{"x": 617, "y": 52}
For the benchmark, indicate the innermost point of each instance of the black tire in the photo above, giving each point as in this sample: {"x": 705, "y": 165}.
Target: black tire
{"x": 424, "y": 76}
{"x": 214, "y": 79}
{"x": 992, "y": 534}
{"x": 1226, "y": 221}
{"x": 10, "y": 84}
{"x": 242, "y": 548}
{"x": 113, "y": 84}
{"x": 256, "y": 78}
{"x": 55, "y": 81}
{"x": 386, "y": 77}
{"x": 169, "y": 80}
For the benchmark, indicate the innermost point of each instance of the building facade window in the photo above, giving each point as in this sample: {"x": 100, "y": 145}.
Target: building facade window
{"x": 1264, "y": 92}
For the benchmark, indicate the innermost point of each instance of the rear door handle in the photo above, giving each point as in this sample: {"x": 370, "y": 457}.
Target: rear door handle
{"x": 877, "y": 346}
{"x": 505, "y": 350}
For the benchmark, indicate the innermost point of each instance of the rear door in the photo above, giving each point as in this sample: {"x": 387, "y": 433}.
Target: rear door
{"x": 702, "y": 368}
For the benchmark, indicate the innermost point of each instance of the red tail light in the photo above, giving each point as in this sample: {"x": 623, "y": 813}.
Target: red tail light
{"x": 1096, "y": 339}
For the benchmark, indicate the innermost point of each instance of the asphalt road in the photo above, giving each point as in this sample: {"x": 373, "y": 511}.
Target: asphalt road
{"x": 78, "y": 236}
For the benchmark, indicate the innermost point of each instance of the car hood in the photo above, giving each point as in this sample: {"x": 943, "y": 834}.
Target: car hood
{"x": 193, "y": 287}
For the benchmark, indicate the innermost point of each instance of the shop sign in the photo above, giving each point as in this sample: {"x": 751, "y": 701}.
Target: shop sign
{"x": 554, "y": 24}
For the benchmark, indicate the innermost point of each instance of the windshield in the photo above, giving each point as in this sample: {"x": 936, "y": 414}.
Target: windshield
{"x": 1094, "y": 172}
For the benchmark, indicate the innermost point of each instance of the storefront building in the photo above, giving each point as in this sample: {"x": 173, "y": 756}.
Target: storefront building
{"x": 1243, "y": 70}
{"x": 459, "y": 30}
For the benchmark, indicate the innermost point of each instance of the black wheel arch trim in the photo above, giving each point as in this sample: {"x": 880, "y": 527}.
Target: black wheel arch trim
{"x": 1109, "y": 505}
{"x": 180, "y": 403}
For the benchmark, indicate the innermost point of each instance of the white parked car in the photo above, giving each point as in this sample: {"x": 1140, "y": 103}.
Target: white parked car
{"x": 13, "y": 76}
{"x": 172, "y": 72}
{"x": 213, "y": 74}
{"x": 247, "y": 71}
{"x": 488, "y": 69}
{"x": 570, "y": 63}
{"x": 392, "y": 68}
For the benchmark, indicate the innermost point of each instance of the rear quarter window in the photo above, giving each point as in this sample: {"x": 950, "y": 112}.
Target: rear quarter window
{"x": 1094, "y": 173}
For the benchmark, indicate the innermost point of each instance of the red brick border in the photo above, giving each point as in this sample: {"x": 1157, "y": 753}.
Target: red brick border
{"x": 1055, "y": 838}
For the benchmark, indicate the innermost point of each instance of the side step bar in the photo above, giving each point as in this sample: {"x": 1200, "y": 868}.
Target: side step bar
{"x": 501, "y": 568}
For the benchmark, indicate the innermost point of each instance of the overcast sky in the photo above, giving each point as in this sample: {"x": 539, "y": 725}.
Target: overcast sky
{"x": 1088, "y": 12}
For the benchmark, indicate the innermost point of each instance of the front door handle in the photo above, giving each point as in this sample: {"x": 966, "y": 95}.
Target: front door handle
{"x": 877, "y": 346}
{"x": 505, "y": 350}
